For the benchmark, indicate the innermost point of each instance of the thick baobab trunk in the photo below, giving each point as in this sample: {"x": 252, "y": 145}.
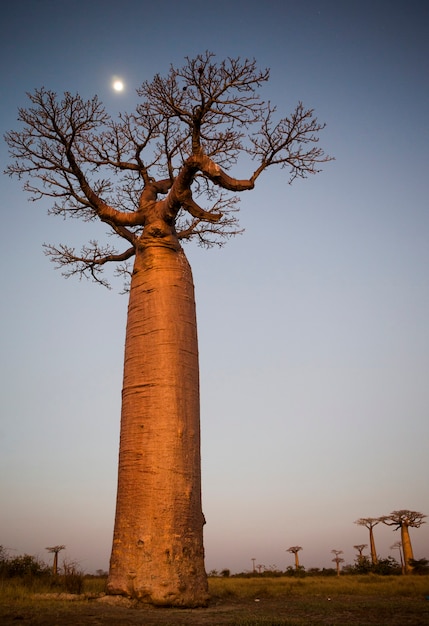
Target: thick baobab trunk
{"x": 406, "y": 548}
{"x": 158, "y": 554}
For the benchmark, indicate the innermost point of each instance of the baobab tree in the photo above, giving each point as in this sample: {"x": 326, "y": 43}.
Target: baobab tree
{"x": 145, "y": 177}
{"x": 360, "y": 548}
{"x": 294, "y": 550}
{"x": 337, "y": 559}
{"x": 370, "y": 522}
{"x": 55, "y": 550}
{"x": 398, "y": 546}
{"x": 405, "y": 519}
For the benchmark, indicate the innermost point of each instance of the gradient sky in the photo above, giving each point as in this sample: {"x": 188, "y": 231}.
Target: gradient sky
{"x": 313, "y": 325}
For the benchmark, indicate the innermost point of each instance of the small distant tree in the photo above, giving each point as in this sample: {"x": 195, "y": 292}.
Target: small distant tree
{"x": 398, "y": 546}
{"x": 337, "y": 559}
{"x": 55, "y": 551}
{"x": 405, "y": 519}
{"x": 363, "y": 565}
{"x": 360, "y": 548}
{"x": 294, "y": 550}
{"x": 370, "y": 522}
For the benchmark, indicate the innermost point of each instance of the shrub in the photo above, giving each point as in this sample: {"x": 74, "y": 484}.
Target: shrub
{"x": 72, "y": 577}
{"x": 420, "y": 566}
{"x": 25, "y": 566}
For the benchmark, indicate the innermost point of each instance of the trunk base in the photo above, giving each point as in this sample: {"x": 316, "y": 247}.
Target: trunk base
{"x": 166, "y": 597}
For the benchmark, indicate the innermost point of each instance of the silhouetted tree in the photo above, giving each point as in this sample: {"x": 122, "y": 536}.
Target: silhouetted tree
{"x": 405, "y": 519}
{"x": 145, "y": 177}
{"x": 55, "y": 550}
{"x": 360, "y": 548}
{"x": 370, "y": 523}
{"x": 294, "y": 550}
{"x": 398, "y": 546}
{"x": 337, "y": 559}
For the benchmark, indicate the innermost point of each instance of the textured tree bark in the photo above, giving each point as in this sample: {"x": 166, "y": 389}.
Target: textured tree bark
{"x": 374, "y": 557}
{"x": 158, "y": 554}
{"x": 406, "y": 548}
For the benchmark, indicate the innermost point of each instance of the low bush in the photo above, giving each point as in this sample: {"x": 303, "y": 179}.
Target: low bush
{"x": 72, "y": 578}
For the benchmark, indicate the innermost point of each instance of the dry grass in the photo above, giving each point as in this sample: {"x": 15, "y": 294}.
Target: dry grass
{"x": 344, "y": 601}
{"x": 392, "y": 586}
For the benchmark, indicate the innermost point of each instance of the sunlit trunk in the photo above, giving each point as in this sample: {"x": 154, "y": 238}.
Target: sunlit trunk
{"x": 374, "y": 557}
{"x": 55, "y": 564}
{"x": 407, "y": 548}
{"x": 157, "y": 553}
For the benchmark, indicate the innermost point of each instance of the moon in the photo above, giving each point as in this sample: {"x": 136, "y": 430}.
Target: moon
{"x": 118, "y": 84}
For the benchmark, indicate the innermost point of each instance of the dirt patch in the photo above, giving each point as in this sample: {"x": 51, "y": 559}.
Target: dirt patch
{"x": 282, "y": 611}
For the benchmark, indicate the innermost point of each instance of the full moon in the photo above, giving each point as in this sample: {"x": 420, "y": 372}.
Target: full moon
{"x": 118, "y": 84}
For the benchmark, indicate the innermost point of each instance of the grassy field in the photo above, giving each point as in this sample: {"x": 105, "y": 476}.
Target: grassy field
{"x": 391, "y": 586}
{"x": 344, "y": 601}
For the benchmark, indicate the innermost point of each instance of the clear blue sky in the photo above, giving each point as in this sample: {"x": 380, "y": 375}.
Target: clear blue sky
{"x": 313, "y": 324}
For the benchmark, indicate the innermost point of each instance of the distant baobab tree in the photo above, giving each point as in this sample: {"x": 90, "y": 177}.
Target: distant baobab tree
{"x": 398, "y": 546}
{"x": 294, "y": 550}
{"x": 405, "y": 519}
{"x": 370, "y": 522}
{"x": 337, "y": 559}
{"x": 360, "y": 548}
{"x": 55, "y": 550}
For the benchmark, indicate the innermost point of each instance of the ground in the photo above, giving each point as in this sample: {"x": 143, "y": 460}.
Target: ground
{"x": 289, "y": 610}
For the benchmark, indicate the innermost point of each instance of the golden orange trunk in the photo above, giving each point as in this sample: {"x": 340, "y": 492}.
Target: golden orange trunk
{"x": 158, "y": 553}
{"x": 374, "y": 557}
{"x": 406, "y": 548}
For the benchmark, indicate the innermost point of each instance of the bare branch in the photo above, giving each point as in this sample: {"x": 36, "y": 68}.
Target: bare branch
{"x": 368, "y": 522}
{"x": 89, "y": 263}
{"x": 149, "y": 174}
{"x": 404, "y": 517}
{"x": 291, "y": 143}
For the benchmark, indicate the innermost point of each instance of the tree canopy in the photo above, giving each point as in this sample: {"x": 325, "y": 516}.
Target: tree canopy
{"x": 404, "y": 517}
{"x": 161, "y": 172}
